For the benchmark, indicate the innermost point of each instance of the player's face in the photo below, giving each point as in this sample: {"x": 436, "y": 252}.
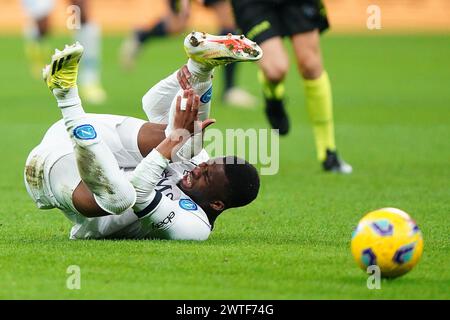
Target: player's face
{"x": 207, "y": 180}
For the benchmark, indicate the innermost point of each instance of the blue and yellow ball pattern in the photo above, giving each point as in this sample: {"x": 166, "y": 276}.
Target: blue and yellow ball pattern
{"x": 388, "y": 238}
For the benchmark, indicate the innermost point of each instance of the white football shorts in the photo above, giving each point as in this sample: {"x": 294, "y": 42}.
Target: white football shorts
{"x": 51, "y": 174}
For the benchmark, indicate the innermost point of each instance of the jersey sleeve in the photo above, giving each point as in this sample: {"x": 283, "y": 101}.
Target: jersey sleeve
{"x": 174, "y": 219}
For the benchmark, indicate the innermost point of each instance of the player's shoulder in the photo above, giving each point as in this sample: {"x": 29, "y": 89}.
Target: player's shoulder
{"x": 177, "y": 219}
{"x": 187, "y": 205}
{"x": 180, "y": 203}
{"x": 196, "y": 225}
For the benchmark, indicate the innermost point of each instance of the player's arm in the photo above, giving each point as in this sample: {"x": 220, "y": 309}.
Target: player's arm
{"x": 149, "y": 171}
{"x": 166, "y": 219}
{"x": 150, "y": 136}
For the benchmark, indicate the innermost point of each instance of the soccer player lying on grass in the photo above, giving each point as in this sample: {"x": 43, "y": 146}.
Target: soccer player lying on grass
{"x": 112, "y": 176}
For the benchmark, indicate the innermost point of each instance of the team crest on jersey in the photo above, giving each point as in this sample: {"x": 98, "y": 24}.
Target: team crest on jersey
{"x": 188, "y": 204}
{"x": 85, "y": 132}
{"x": 206, "y": 97}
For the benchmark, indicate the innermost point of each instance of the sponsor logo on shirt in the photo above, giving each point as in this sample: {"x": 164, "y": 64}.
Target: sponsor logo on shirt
{"x": 85, "y": 132}
{"x": 188, "y": 204}
{"x": 167, "y": 220}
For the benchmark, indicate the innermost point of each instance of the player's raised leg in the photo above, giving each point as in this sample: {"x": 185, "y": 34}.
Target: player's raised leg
{"x": 96, "y": 164}
{"x": 205, "y": 52}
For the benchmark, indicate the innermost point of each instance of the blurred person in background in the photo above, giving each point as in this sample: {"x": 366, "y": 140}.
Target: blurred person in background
{"x": 174, "y": 22}
{"x": 87, "y": 33}
{"x": 267, "y": 22}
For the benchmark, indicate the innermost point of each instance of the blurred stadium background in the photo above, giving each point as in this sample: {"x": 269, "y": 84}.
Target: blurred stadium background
{"x": 392, "y": 110}
{"x": 345, "y": 15}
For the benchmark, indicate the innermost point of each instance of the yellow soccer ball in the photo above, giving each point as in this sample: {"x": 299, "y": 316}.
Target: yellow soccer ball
{"x": 388, "y": 238}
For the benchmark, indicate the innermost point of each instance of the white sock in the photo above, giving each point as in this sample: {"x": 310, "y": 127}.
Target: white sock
{"x": 199, "y": 72}
{"x": 96, "y": 163}
{"x": 68, "y": 98}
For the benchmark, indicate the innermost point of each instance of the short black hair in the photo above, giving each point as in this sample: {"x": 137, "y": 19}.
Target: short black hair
{"x": 243, "y": 182}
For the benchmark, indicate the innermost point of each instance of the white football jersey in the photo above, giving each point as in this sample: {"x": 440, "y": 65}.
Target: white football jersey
{"x": 171, "y": 214}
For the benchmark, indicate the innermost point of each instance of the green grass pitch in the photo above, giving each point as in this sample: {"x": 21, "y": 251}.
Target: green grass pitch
{"x": 392, "y": 112}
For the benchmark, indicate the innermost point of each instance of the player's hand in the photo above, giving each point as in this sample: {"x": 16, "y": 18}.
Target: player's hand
{"x": 186, "y": 111}
{"x": 185, "y": 124}
{"x": 184, "y": 76}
